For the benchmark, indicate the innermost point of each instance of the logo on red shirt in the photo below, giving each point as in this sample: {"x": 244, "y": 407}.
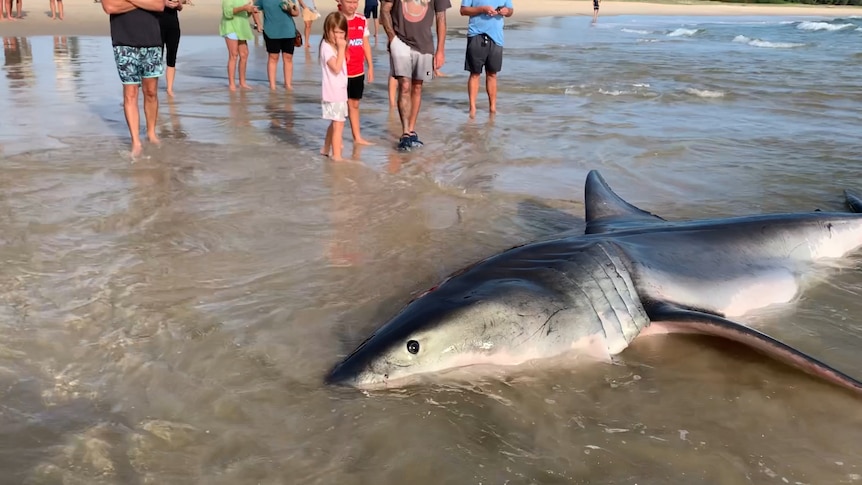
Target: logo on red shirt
{"x": 356, "y": 46}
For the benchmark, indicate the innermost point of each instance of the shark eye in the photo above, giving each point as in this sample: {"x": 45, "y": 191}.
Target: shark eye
{"x": 413, "y": 346}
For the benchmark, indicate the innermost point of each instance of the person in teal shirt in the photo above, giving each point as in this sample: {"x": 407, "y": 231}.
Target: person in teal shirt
{"x": 279, "y": 35}
{"x": 237, "y": 32}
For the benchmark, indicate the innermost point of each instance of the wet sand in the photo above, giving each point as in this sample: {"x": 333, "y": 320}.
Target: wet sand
{"x": 85, "y": 17}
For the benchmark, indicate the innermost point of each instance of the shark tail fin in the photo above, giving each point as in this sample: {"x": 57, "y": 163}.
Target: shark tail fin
{"x": 854, "y": 200}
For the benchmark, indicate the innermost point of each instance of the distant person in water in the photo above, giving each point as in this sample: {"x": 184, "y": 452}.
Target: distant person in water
{"x": 371, "y": 11}
{"x": 309, "y": 15}
{"x": 56, "y": 8}
{"x": 170, "y": 24}
{"x": 237, "y": 32}
{"x": 279, "y": 35}
{"x": 596, "y": 10}
{"x": 7, "y": 9}
{"x": 484, "y": 46}
{"x": 137, "y": 41}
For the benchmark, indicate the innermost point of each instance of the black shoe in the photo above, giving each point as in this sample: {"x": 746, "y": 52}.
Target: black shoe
{"x": 414, "y": 140}
{"x": 404, "y": 144}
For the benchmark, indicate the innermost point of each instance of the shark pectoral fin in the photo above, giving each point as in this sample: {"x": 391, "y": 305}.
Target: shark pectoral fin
{"x": 674, "y": 319}
{"x": 606, "y": 211}
{"x": 854, "y": 201}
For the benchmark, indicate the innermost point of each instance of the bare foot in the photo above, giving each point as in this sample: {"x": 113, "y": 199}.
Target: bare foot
{"x": 339, "y": 159}
{"x": 472, "y": 113}
{"x": 289, "y": 87}
{"x": 154, "y": 139}
{"x": 272, "y": 87}
{"x": 492, "y": 109}
{"x": 231, "y": 87}
{"x": 137, "y": 149}
{"x": 325, "y": 154}
{"x": 362, "y": 141}
{"x": 244, "y": 86}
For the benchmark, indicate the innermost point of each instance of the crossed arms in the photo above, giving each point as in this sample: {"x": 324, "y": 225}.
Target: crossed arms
{"x": 113, "y": 7}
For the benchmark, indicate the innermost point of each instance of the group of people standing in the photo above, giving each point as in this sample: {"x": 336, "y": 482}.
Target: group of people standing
{"x": 142, "y": 31}
{"x": 414, "y": 58}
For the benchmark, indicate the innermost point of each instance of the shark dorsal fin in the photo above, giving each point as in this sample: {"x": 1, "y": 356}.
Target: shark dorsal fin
{"x": 607, "y": 211}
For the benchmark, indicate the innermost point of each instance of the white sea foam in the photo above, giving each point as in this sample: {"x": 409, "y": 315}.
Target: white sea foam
{"x": 813, "y": 26}
{"x": 634, "y": 31}
{"x": 680, "y": 32}
{"x": 764, "y": 43}
{"x": 704, "y": 93}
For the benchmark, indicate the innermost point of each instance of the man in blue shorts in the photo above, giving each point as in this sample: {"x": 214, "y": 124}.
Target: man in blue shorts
{"x": 137, "y": 40}
{"x": 412, "y": 55}
{"x": 371, "y": 11}
{"x": 484, "y": 46}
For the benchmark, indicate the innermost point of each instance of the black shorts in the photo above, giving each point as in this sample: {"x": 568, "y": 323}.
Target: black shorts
{"x": 355, "y": 86}
{"x": 274, "y": 46}
{"x": 595, "y": 4}
{"x": 483, "y": 52}
{"x": 370, "y": 11}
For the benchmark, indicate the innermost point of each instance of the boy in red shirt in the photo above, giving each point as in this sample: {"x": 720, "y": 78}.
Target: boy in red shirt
{"x": 358, "y": 53}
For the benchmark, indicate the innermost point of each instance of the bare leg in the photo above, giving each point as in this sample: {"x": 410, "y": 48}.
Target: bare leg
{"x": 170, "y": 74}
{"x": 393, "y": 91}
{"x": 18, "y": 9}
{"x": 271, "y": 65}
{"x": 53, "y": 9}
{"x": 307, "y": 34}
{"x": 491, "y": 88}
{"x": 287, "y": 61}
{"x": 416, "y": 103}
{"x": 337, "y": 140}
{"x": 60, "y": 8}
{"x": 232, "y": 55}
{"x": 151, "y": 106}
{"x": 327, "y": 142}
{"x": 353, "y": 114}
{"x": 242, "y": 49}
{"x": 404, "y": 103}
{"x": 133, "y": 116}
{"x": 472, "y": 92}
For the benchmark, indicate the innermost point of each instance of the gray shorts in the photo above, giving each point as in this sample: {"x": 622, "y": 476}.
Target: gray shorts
{"x": 407, "y": 62}
{"x": 483, "y": 52}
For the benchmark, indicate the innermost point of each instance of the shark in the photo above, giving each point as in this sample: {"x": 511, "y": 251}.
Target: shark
{"x": 630, "y": 274}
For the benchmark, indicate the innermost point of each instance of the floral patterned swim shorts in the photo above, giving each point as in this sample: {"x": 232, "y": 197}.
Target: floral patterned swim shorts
{"x": 136, "y": 63}
{"x": 334, "y": 111}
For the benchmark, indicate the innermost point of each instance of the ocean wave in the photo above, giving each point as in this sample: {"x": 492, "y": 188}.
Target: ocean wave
{"x": 814, "y": 26}
{"x": 635, "y": 31}
{"x": 704, "y": 93}
{"x": 765, "y": 43}
{"x": 681, "y": 32}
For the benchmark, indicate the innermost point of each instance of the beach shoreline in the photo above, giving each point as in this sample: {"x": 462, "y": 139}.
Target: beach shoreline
{"x": 86, "y": 18}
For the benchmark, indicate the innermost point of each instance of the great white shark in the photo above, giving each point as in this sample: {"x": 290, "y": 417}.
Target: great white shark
{"x": 631, "y": 274}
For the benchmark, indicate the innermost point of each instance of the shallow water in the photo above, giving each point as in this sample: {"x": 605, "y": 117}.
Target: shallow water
{"x": 170, "y": 321}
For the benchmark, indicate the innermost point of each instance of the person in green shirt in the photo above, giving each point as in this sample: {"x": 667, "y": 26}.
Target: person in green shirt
{"x": 237, "y": 32}
{"x": 279, "y": 35}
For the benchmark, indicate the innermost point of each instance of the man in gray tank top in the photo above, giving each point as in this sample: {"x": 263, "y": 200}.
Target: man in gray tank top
{"x": 137, "y": 40}
{"x": 413, "y": 55}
